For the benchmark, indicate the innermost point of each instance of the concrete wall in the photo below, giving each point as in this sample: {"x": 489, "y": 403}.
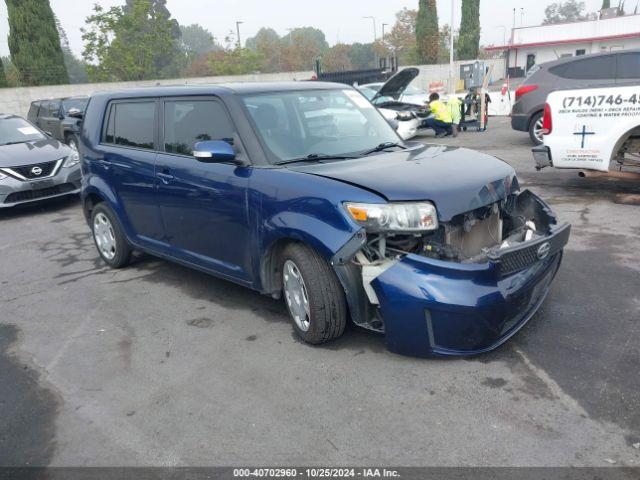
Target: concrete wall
{"x": 17, "y": 100}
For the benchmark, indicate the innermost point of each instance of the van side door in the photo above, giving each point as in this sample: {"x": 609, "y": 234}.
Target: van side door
{"x": 129, "y": 142}
{"x": 203, "y": 205}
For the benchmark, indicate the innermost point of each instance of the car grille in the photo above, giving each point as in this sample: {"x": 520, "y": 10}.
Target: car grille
{"x": 519, "y": 258}
{"x": 42, "y": 193}
{"x": 46, "y": 169}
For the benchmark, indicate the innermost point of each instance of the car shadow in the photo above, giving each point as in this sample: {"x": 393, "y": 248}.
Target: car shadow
{"x": 41, "y": 207}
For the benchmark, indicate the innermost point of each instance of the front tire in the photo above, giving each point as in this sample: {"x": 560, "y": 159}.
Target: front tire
{"x": 72, "y": 141}
{"x": 109, "y": 238}
{"x": 313, "y": 295}
{"x": 535, "y": 129}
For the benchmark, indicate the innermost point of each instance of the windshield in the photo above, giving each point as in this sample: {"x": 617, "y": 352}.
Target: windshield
{"x": 79, "y": 103}
{"x": 299, "y": 124}
{"x": 17, "y": 130}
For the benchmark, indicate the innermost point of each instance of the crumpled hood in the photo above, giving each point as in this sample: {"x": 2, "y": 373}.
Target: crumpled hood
{"x": 30, "y": 153}
{"x": 456, "y": 180}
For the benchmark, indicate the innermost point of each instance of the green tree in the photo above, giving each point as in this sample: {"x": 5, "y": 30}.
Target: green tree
{"x": 196, "y": 40}
{"x": 403, "y": 37}
{"x": 362, "y": 56}
{"x": 268, "y": 44}
{"x": 3, "y": 77}
{"x": 606, "y": 4}
{"x": 134, "y": 43}
{"x": 301, "y": 47}
{"x": 427, "y": 32}
{"x": 562, "y": 12}
{"x": 469, "y": 38}
{"x": 34, "y": 43}
{"x": 337, "y": 58}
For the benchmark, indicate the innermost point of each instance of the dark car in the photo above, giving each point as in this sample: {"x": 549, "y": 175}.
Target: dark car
{"x": 60, "y": 117}
{"x": 597, "y": 70}
{"x": 34, "y": 166}
{"x": 303, "y": 190}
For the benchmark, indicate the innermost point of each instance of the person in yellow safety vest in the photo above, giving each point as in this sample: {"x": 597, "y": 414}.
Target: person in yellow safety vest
{"x": 441, "y": 119}
{"x": 455, "y": 105}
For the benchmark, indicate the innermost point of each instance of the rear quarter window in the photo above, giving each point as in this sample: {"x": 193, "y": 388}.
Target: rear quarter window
{"x": 597, "y": 68}
{"x": 628, "y": 66}
{"x": 131, "y": 124}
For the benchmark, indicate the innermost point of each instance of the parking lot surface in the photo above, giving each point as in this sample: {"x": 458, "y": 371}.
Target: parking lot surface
{"x": 161, "y": 365}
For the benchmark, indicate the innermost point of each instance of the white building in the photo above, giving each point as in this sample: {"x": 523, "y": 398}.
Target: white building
{"x": 544, "y": 43}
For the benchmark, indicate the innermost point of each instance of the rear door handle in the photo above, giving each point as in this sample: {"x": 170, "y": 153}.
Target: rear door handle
{"x": 165, "y": 177}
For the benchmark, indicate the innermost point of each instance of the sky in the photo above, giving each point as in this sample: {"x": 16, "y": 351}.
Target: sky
{"x": 341, "y": 20}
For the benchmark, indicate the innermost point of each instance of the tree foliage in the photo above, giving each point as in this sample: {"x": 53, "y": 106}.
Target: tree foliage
{"x": 606, "y": 4}
{"x": 427, "y": 31}
{"x": 562, "y": 12}
{"x": 134, "y": 42}
{"x": 403, "y": 37}
{"x": 469, "y": 39}
{"x": 3, "y": 77}
{"x": 34, "y": 43}
{"x": 268, "y": 44}
{"x": 196, "y": 40}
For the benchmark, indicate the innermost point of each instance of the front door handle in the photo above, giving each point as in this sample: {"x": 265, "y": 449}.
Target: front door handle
{"x": 165, "y": 177}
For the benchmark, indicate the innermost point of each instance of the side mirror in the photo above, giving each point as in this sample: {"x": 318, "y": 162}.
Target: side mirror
{"x": 214, "y": 151}
{"x": 75, "y": 113}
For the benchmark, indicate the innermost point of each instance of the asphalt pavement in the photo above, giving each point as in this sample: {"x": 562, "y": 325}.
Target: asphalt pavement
{"x": 161, "y": 365}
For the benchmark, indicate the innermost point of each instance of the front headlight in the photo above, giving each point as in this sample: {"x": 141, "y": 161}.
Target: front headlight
{"x": 404, "y": 116}
{"x": 395, "y": 217}
{"x": 72, "y": 160}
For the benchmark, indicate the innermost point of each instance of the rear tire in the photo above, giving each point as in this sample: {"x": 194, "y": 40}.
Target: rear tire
{"x": 109, "y": 237}
{"x": 313, "y": 295}
{"x": 535, "y": 129}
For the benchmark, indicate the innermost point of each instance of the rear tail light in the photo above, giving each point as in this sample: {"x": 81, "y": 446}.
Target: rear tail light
{"x": 547, "y": 121}
{"x": 523, "y": 90}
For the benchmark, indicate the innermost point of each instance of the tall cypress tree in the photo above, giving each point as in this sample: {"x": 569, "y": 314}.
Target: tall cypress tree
{"x": 469, "y": 39}
{"x": 606, "y": 4}
{"x": 427, "y": 31}
{"x": 34, "y": 43}
{"x": 3, "y": 77}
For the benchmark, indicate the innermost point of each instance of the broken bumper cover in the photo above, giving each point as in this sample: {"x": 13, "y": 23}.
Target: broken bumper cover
{"x": 542, "y": 157}
{"x": 432, "y": 307}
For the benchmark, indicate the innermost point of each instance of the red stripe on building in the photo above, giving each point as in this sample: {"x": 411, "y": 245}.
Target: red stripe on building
{"x": 562, "y": 42}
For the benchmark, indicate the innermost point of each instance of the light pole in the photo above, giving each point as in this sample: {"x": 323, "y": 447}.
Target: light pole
{"x": 238, "y": 31}
{"x": 375, "y": 33}
{"x": 384, "y": 25}
{"x": 452, "y": 66}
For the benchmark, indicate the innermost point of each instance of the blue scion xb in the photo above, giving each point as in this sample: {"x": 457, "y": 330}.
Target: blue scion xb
{"x": 303, "y": 190}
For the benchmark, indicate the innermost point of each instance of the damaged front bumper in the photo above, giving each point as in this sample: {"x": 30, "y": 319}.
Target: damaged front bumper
{"x": 433, "y": 307}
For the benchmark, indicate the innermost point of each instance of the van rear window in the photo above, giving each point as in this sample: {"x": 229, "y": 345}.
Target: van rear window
{"x": 131, "y": 124}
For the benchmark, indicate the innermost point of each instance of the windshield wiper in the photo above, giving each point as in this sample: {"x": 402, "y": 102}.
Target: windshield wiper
{"x": 317, "y": 157}
{"x": 384, "y": 146}
{"x": 14, "y": 143}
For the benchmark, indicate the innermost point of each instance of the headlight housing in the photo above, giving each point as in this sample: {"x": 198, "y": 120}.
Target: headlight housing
{"x": 72, "y": 160}
{"x": 411, "y": 217}
{"x": 404, "y": 116}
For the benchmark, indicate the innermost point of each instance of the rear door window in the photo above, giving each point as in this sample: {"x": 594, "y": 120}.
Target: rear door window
{"x": 628, "y": 66}
{"x": 131, "y": 124}
{"x": 187, "y": 122}
{"x": 597, "y": 68}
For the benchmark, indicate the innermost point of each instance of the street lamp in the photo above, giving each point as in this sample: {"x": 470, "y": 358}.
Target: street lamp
{"x": 238, "y": 31}
{"x": 452, "y": 65}
{"x": 384, "y": 25}
{"x": 375, "y": 34}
